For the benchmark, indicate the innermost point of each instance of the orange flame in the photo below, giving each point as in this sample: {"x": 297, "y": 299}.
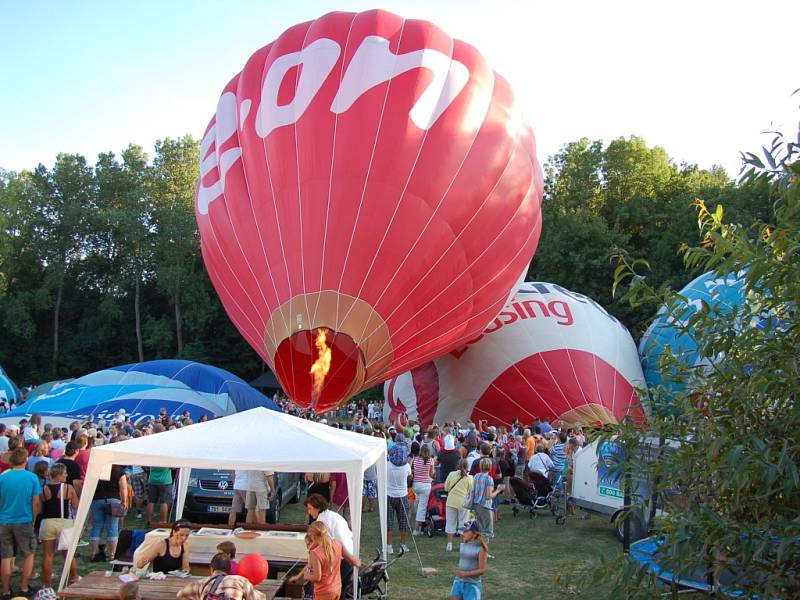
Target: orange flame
{"x": 319, "y": 370}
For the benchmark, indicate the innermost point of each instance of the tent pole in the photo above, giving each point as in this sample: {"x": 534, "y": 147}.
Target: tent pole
{"x": 87, "y": 494}
{"x": 382, "y": 499}
{"x": 355, "y": 485}
{"x": 183, "y": 486}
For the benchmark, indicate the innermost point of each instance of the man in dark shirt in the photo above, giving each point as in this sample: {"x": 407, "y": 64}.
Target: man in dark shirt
{"x": 486, "y": 452}
{"x": 73, "y": 468}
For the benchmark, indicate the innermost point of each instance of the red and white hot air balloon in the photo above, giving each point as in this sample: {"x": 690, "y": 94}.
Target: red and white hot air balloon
{"x": 369, "y": 195}
{"x": 550, "y": 353}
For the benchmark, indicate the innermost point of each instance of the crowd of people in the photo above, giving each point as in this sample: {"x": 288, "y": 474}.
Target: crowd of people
{"x": 473, "y": 461}
{"x": 43, "y": 468}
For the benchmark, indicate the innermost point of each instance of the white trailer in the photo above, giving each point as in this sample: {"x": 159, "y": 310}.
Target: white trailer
{"x": 596, "y": 488}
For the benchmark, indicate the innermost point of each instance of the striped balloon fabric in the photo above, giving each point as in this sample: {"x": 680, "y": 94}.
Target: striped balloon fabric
{"x": 8, "y": 390}
{"x": 369, "y": 178}
{"x": 141, "y": 390}
{"x": 667, "y": 333}
{"x": 550, "y": 353}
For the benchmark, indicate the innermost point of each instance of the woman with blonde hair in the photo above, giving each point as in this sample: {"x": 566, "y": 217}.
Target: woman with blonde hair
{"x": 472, "y": 559}
{"x": 324, "y": 558}
{"x": 457, "y": 485}
{"x": 58, "y": 497}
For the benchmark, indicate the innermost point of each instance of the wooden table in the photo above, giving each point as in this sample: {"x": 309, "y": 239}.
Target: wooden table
{"x": 97, "y": 586}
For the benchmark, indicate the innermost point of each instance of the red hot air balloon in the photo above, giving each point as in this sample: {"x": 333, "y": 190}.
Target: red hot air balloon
{"x": 369, "y": 194}
{"x": 550, "y": 353}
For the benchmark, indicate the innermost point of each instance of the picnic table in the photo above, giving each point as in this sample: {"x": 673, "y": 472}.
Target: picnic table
{"x": 97, "y": 586}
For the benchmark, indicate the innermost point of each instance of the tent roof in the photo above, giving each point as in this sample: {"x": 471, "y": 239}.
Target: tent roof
{"x": 266, "y": 380}
{"x": 256, "y": 439}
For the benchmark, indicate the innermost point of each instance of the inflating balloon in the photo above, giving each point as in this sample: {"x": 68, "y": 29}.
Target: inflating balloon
{"x": 550, "y": 353}
{"x": 141, "y": 391}
{"x": 369, "y": 195}
{"x": 667, "y": 332}
{"x": 254, "y": 568}
{"x": 8, "y": 390}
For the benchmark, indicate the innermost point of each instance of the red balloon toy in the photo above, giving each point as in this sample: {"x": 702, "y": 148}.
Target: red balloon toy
{"x": 254, "y": 568}
{"x": 369, "y": 195}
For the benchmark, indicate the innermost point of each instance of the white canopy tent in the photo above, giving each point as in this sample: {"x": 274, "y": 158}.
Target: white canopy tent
{"x": 257, "y": 439}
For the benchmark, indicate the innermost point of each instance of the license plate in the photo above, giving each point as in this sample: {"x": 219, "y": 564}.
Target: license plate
{"x": 219, "y": 509}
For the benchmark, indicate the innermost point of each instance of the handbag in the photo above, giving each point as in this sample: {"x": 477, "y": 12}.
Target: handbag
{"x": 65, "y": 535}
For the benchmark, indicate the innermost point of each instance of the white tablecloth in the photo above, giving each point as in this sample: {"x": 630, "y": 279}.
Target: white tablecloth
{"x": 272, "y": 545}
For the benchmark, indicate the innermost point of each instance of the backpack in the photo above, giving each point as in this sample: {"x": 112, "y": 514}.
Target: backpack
{"x": 212, "y": 593}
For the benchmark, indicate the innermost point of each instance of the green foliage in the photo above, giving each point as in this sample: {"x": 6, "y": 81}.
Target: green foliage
{"x": 84, "y": 239}
{"x": 731, "y": 471}
{"x": 626, "y": 197}
{"x": 101, "y": 244}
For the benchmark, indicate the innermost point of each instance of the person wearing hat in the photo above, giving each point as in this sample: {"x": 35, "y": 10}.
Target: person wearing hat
{"x": 397, "y": 475}
{"x": 472, "y": 557}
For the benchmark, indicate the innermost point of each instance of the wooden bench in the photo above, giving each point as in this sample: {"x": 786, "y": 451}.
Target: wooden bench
{"x": 97, "y": 586}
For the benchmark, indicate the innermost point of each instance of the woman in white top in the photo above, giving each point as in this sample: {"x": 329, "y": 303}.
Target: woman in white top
{"x": 397, "y": 475}
{"x": 33, "y": 430}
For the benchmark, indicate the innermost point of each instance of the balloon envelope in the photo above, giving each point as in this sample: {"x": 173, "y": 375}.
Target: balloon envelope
{"x": 664, "y": 335}
{"x": 142, "y": 389}
{"x": 550, "y": 353}
{"x": 8, "y": 390}
{"x": 369, "y": 177}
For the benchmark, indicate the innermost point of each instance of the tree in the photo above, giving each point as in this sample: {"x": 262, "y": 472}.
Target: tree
{"x": 173, "y": 178}
{"x": 623, "y": 197}
{"x": 732, "y": 468}
{"x": 64, "y": 198}
{"x": 126, "y": 214}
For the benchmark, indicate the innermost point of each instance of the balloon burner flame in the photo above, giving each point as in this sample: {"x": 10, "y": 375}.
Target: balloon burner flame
{"x": 321, "y": 367}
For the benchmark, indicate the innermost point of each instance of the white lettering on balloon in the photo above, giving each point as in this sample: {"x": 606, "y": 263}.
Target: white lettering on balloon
{"x": 220, "y": 132}
{"x": 318, "y": 58}
{"x": 374, "y": 63}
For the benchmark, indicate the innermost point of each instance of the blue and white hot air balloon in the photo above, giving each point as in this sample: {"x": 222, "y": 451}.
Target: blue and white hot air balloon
{"x": 142, "y": 389}
{"x": 8, "y": 391}
{"x": 666, "y": 334}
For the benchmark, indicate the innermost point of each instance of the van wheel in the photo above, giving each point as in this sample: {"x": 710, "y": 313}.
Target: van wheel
{"x": 637, "y": 528}
{"x": 274, "y": 510}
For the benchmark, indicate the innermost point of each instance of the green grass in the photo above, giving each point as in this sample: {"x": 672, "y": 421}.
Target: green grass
{"x": 531, "y": 556}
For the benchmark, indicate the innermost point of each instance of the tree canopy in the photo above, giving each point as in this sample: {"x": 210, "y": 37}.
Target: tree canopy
{"x": 100, "y": 264}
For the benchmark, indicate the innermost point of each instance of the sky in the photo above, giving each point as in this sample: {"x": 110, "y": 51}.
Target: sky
{"x": 702, "y": 79}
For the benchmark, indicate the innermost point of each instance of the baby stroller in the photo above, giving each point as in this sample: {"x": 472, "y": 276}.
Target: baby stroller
{"x": 372, "y": 580}
{"x": 526, "y": 495}
{"x": 557, "y": 500}
{"x": 435, "y": 517}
